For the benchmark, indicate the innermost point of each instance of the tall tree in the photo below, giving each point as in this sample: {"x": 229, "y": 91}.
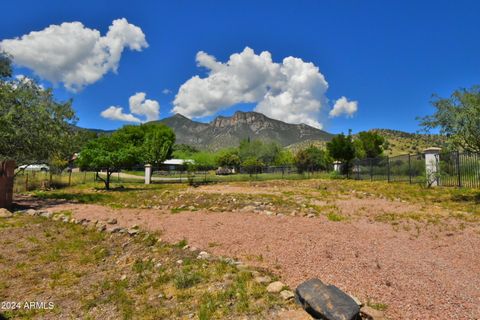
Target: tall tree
{"x": 341, "y": 148}
{"x": 311, "y": 159}
{"x": 33, "y": 126}
{"x": 128, "y": 146}
{"x": 457, "y": 117}
{"x": 369, "y": 144}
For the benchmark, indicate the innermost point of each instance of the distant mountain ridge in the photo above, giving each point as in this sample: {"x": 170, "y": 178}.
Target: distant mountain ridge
{"x": 225, "y": 132}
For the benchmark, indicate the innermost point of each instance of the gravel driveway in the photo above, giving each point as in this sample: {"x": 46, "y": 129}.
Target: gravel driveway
{"x": 427, "y": 274}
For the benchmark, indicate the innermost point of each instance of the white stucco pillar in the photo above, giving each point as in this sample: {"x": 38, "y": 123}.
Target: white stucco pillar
{"x": 148, "y": 173}
{"x": 337, "y": 166}
{"x": 432, "y": 165}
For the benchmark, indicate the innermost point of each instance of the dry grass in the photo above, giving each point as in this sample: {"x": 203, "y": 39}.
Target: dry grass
{"x": 91, "y": 275}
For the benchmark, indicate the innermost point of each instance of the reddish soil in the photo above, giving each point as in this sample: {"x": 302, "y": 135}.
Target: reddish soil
{"x": 426, "y": 274}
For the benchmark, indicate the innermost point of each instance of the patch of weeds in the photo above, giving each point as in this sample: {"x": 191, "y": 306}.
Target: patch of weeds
{"x": 213, "y": 244}
{"x": 332, "y": 216}
{"x": 178, "y": 209}
{"x": 182, "y": 243}
{"x": 140, "y": 266}
{"x": 208, "y": 306}
{"x": 186, "y": 279}
{"x": 117, "y": 294}
{"x": 377, "y": 305}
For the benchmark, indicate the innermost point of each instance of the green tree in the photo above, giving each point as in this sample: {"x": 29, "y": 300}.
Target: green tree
{"x": 312, "y": 159}
{"x": 34, "y": 128}
{"x": 228, "y": 158}
{"x": 252, "y": 165}
{"x": 457, "y": 117}
{"x": 369, "y": 144}
{"x": 157, "y": 144}
{"x": 109, "y": 154}
{"x": 266, "y": 152}
{"x": 284, "y": 158}
{"x": 130, "y": 145}
{"x": 5, "y": 65}
{"x": 341, "y": 148}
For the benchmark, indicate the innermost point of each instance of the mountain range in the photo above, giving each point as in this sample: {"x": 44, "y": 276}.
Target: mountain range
{"x": 224, "y": 132}
{"x": 229, "y": 131}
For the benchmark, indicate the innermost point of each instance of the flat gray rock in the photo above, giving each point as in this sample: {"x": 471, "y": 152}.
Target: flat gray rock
{"x": 326, "y": 302}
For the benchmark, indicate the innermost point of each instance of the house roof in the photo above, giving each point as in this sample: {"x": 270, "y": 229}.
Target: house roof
{"x": 177, "y": 162}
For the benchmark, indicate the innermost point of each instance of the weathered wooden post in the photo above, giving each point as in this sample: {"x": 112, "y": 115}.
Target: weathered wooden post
{"x": 148, "y": 174}
{"x": 432, "y": 170}
{"x": 7, "y": 171}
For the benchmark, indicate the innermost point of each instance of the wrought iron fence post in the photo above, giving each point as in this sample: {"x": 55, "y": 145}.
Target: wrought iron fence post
{"x": 371, "y": 169}
{"x": 409, "y": 169}
{"x": 388, "y": 169}
{"x": 458, "y": 170}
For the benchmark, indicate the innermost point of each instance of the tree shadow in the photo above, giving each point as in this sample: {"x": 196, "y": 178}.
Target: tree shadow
{"x": 474, "y": 197}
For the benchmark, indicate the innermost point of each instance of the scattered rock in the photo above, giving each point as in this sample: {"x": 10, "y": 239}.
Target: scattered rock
{"x": 185, "y": 247}
{"x": 158, "y": 265}
{"x": 293, "y": 315}
{"x": 4, "y": 213}
{"x": 47, "y": 214}
{"x": 287, "y": 294}
{"x": 123, "y": 277}
{"x": 371, "y": 314}
{"x": 31, "y": 212}
{"x": 133, "y": 231}
{"x": 180, "y": 261}
{"x": 264, "y": 279}
{"x": 203, "y": 255}
{"x": 310, "y": 215}
{"x": 248, "y": 208}
{"x": 66, "y": 219}
{"x": 112, "y": 221}
{"x": 115, "y": 230}
{"x": 275, "y": 287}
{"x": 326, "y": 302}
{"x": 101, "y": 227}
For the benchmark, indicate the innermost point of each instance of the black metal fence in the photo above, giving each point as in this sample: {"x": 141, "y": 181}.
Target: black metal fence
{"x": 459, "y": 169}
{"x": 455, "y": 169}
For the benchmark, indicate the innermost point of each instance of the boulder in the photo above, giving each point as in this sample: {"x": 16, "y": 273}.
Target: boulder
{"x": 4, "y": 213}
{"x": 112, "y": 221}
{"x": 326, "y": 301}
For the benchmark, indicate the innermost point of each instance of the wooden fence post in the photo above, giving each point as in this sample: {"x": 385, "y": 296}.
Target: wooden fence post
{"x": 7, "y": 173}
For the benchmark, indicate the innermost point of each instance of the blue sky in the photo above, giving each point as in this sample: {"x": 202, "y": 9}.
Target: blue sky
{"x": 390, "y": 57}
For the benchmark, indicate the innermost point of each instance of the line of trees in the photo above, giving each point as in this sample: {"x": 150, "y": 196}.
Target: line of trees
{"x": 253, "y": 155}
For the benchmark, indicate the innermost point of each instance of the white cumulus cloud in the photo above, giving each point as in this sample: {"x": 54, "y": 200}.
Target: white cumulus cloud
{"x": 116, "y": 113}
{"x": 139, "y": 106}
{"x": 343, "y": 106}
{"x": 74, "y": 54}
{"x": 291, "y": 91}
{"x": 145, "y": 107}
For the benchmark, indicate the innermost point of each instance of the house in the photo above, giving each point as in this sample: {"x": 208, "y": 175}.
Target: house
{"x": 175, "y": 164}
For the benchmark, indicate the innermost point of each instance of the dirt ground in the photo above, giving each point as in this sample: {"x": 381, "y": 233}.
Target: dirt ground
{"x": 413, "y": 271}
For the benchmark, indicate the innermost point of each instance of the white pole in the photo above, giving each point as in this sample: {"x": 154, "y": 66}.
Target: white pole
{"x": 148, "y": 173}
